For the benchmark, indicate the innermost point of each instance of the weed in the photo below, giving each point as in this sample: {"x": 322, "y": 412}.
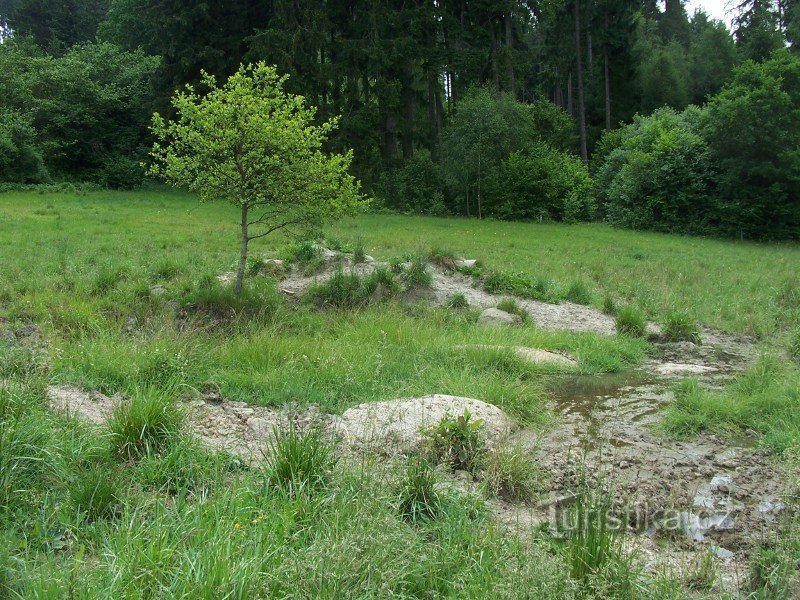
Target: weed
{"x": 579, "y": 293}
{"x": 511, "y": 474}
{"x": 350, "y": 290}
{"x": 457, "y": 301}
{"x": 458, "y": 443}
{"x": 770, "y": 576}
{"x": 148, "y": 422}
{"x": 510, "y": 306}
{"x": 298, "y": 464}
{"x": 417, "y": 498}
{"x": 498, "y": 282}
{"x": 631, "y": 322}
{"x": 703, "y": 574}
{"x": 680, "y": 327}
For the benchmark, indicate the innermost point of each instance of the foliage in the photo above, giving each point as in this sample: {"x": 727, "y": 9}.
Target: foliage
{"x": 518, "y": 284}
{"x": 148, "y": 422}
{"x": 414, "y": 187}
{"x": 457, "y": 301}
{"x": 630, "y": 321}
{"x": 249, "y": 143}
{"x": 510, "y": 306}
{"x": 658, "y": 175}
{"x": 298, "y": 463}
{"x": 541, "y": 183}
{"x": 351, "y": 290}
{"x": 59, "y": 24}
{"x": 457, "y": 442}
{"x": 751, "y": 131}
{"x": 20, "y": 156}
{"x": 417, "y": 275}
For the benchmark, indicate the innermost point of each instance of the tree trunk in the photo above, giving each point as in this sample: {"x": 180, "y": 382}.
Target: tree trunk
{"x": 579, "y": 66}
{"x": 570, "y": 106}
{"x": 242, "y": 253}
{"x": 608, "y": 89}
{"x": 509, "y": 44}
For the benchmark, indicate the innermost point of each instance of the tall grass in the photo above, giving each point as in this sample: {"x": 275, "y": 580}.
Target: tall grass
{"x": 147, "y": 422}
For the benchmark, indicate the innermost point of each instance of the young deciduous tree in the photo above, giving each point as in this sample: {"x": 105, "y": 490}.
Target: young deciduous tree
{"x": 249, "y": 143}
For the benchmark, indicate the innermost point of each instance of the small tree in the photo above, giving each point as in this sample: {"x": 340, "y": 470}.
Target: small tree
{"x": 250, "y": 143}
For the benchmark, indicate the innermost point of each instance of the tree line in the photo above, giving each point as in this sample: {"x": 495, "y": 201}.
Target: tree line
{"x": 508, "y": 108}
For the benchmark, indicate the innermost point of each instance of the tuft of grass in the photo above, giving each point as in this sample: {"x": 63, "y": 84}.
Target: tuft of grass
{"x": 306, "y": 255}
{"x": 257, "y": 301}
{"x": 166, "y": 269}
{"x": 350, "y": 290}
{"x": 631, "y": 322}
{"x": 510, "y": 306}
{"x": 457, "y": 301}
{"x": 794, "y": 344}
{"x": 578, "y": 292}
{"x": 95, "y": 494}
{"x": 610, "y": 305}
{"x": 458, "y": 443}
{"x": 359, "y": 253}
{"x": 417, "y": 497}
{"x": 680, "y": 327}
{"x": 417, "y": 274}
{"x": 511, "y": 474}
{"x": 517, "y": 284}
{"x": 107, "y": 279}
{"x": 298, "y": 464}
{"x": 442, "y": 257}
{"x": 148, "y": 422}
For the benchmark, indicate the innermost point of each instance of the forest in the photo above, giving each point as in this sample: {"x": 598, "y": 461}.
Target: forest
{"x": 629, "y": 112}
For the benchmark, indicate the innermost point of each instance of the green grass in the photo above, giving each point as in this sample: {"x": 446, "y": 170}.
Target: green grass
{"x": 138, "y": 510}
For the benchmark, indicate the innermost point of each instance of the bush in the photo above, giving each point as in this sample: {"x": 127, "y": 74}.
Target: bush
{"x": 631, "y": 322}
{"x": 511, "y": 474}
{"x": 417, "y": 498}
{"x": 657, "y": 174}
{"x": 457, "y": 443}
{"x": 20, "y": 157}
{"x": 148, "y": 422}
{"x": 543, "y": 184}
{"x": 415, "y": 187}
{"x": 298, "y": 464}
{"x": 680, "y": 327}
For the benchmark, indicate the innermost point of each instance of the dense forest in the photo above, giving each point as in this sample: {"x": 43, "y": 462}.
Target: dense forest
{"x": 632, "y": 112}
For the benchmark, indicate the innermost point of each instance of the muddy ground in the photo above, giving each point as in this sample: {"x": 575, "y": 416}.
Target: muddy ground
{"x": 681, "y": 498}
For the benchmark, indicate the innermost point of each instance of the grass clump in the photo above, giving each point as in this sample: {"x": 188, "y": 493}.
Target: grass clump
{"x": 631, "y": 322}
{"x": 578, "y": 292}
{"x": 257, "y": 301}
{"x": 359, "y": 253}
{"x": 794, "y": 344}
{"x": 516, "y": 284}
{"x": 680, "y": 327}
{"x": 351, "y": 290}
{"x": 510, "y": 306}
{"x": 458, "y": 443}
{"x": 457, "y": 301}
{"x": 306, "y": 255}
{"x": 95, "y": 494}
{"x": 511, "y": 474}
{"x": 417, "y": 497}
{"x": 610, "y": 305}
{"x": 298, "y": 464}
{"x": 417, "y": 275}
{"x": 148, "y": 422}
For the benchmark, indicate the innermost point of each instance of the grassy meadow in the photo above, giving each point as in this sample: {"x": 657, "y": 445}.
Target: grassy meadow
{"x": 83, "y": 514}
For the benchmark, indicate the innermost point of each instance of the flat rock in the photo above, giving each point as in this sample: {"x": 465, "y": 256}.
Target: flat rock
{"x": 397, "y": 426}
{"x": 466, "y": 262}
{"x": 495, "y": 316}
{"x": 536, "y": 356}
{"x": 675, "y": 369}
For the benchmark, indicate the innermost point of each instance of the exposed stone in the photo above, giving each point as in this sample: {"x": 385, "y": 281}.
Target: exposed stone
{"x": 158, "y": 290}
{"x": 397, "y": 426}
{"x": 679, "y": 369}
{"x": 536, "y": 356}
{"x": 495, "y": 316}
{"x": 466, "y": 262}
{"x": 7, "y": 337}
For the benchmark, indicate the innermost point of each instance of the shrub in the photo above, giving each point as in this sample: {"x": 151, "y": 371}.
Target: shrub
{"x": 417, "y": 498}
{"x": 457, "y": 443}
{"x": 511, "y": 474}
{"x": 298, "y": 464}
{"x": 148, "y": 422}
{"x": 20, "y": 157}
{"x": 658, "y": 175}
{"x": 543, "y": 184}
{"x": 415, "y": 187}
{"x": 631, "y": 322}
{"x": 680, "y": 327}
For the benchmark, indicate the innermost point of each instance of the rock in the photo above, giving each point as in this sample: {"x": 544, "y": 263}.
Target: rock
{"x": 397, "y": 426}
{"x": 721, "y": 552}
{"x": 158, "y": 290}
{"x": 7, "y": 337}
{"x": 495, "y": 316}
{"x": 536, "y": 356}
{"x": 465, "y": 262}
{"x": 130, "y": 325}
{"x": 679, "y": 369}
{"x": 227, "y": 278}
{"x": 368, "y": 259}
